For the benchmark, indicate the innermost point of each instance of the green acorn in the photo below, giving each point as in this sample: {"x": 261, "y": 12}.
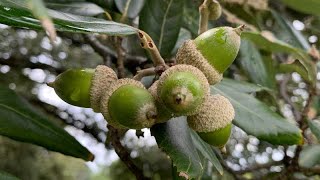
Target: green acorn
{"x": 212, "y": 52}
{"x": 83, "y": 87}
{"x": 213, "y": 122}
{"x": 182, "y": 89}
{"x": 127, "y": 104}
{"x": 163, "y": 113}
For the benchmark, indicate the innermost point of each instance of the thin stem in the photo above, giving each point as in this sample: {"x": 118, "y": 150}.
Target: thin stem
{"x": 204, "y": 16}
{"x": 145, "y": 72}
{"x": 123, "y": 153}
{"x": 121, "y": 55}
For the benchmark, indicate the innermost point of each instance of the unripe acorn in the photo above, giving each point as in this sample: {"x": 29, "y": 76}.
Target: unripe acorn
{"x": 83, "y": 87}
{"x": 213, "y": 122}
{"x": 163, "y": 113}
{"x": 212, "y": 52}
{"x": 128, "y": 104}
{"x": 182, "y": 89}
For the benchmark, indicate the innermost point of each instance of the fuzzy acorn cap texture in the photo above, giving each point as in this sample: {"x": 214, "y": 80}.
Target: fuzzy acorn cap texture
{"x": 163, "y": 113}
{"x": 102, "y": 78}
{"x": 216, "y": 113}
{"x": 189, "y": 54}
{"x": 131, "y": 97}
{"x": 182, "y": 89}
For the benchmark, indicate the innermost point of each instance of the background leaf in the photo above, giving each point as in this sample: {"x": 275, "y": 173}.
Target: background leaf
{"x": 305, "y": 6}
{"x": 174, "y": 138}
{"x": 16, "y": 14}
{"x": 241, "y": 86}
{"x": 314, "y": 126}
{"x": 252, "y": 63}
{"x": 288, "y": 33}
{"x": 206, "y": 151}
{"x": 40, "y": 11}
{"x": 7, "y": 176}
{"x": 310, "y": 156}
{"x": 257, "y": 119}
{"x": 274, "y": 45}
{"x": 132, "y": 7}
{"x": 78, "y": 8}
{"x": 20, "y": 122}
{"x": 162, "y": 21}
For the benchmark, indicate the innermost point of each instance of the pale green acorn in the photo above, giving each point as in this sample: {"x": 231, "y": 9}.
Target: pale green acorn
{"x": 128, "y": 104}
{"x": 212, "y": 52}
{"x": 213, "y": 122}
{"x": 83, "y": 86}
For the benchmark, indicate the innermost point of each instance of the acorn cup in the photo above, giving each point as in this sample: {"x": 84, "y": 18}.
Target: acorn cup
{"x": 128, "y": 104}
{"x": 84, "y": 87}
{"x": 182, "y": 89}
{"x": 213, "y": 122}
{"x": 212, "y": 52}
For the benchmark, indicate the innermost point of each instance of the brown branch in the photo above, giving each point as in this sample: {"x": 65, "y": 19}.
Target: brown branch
{"x": 148, "y": 44}
{"x": 121, "y": 55}
{"x": 105, "y": 51}
{"x": 144, "y": 72}
{"x": 123, "y": 153}
{"x": 286, "y": 97}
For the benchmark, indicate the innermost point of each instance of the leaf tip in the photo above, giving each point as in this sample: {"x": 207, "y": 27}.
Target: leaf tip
{"x": 91, "y": 157}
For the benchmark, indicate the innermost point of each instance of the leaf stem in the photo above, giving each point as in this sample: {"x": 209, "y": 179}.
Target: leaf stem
{"x": 144, "y": 72}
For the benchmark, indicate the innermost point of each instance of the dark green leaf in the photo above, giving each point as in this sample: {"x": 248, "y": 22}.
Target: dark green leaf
{"x": 289, "y": 34}
{"x": 314, "y": 126}
{"x": 206, "y": 151}
{"x": 131, "y": 8}
{"x": 191, "y": 18}
{"x": 162, "y": 21}
{"x": 253, "y": 64}
{"x": 17, "y": 14}
{"x": 174, "y": 138}
{"x": 274, "y": 45}
{"x": 20, "y": 122}
{"x": 241, "y": 86}
{"x": 7, "y": 176}
{"x": 296, "y": 66}
{"x": 78, "y": 8}
{"x": 310, "y": 156}
{"x": 257, "y": 119}
{"x": 183, "y": 36}
{"x": 305, "y": 6}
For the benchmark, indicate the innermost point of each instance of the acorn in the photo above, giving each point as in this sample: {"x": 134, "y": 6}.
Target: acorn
{"x": 213, "y": 122}
{"x": 163, "y": 113}
{"x": 182, "y": 89}
{"x": 212, "y": 52}
{"x": 83, "y": 86}
{"x": 128, "y": 104}
{"x": 215, "y": 10}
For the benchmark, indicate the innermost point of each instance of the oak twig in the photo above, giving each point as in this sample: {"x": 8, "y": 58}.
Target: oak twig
{"x": 148, "y": 44}
{"x": 144, "y": 72}
{"x": 204, "y": 16}
{"x": 123, "y": 154}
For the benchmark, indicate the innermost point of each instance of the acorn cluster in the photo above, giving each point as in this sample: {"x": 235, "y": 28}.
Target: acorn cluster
{"x": 181, "y": 90}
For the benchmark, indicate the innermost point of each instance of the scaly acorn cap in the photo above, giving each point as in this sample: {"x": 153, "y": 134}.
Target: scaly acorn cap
{"x": 163, "y": 113}
{"x": 217, "y": 47}
{"x": 127, "y": 104}
{"x": 73, "y": 86}
{"x": 213, "y": 122}
{"x": 215, "y": 113}
{"x": 102, "y": 78}
{"x": 214, "y": 10}
{"x": 182, "y": 89}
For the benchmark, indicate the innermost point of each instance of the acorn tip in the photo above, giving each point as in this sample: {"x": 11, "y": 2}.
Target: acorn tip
{"x": 50, "y": 84}
{"x": 239, "y": 29}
